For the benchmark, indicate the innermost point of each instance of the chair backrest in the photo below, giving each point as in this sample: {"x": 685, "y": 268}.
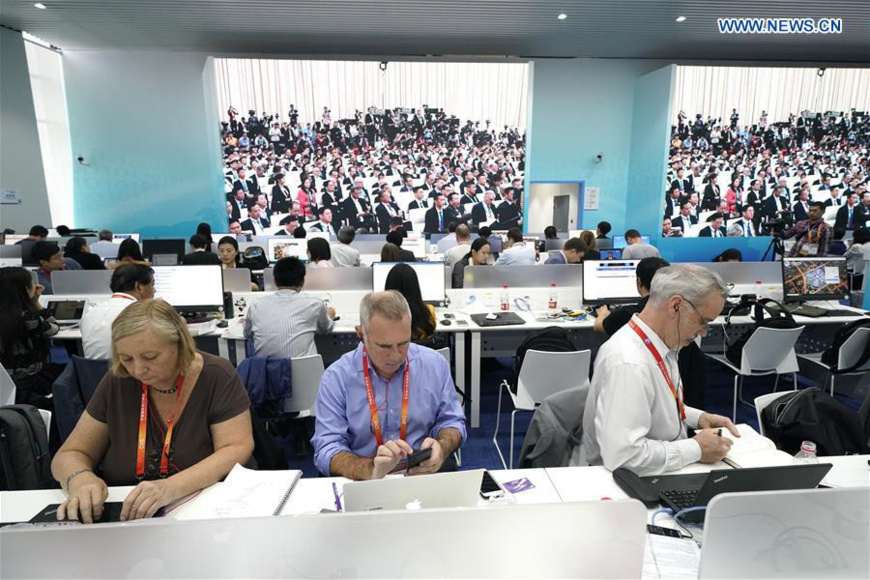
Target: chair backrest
{"x": 7, "y": 388}
{"x": 546, "y": 373}
{"x": 445, "y": 352}
{"x": 305, "y": 373}
{"x": 771, "y": 348}
{"x": 762, "y": 402}
{"x": 853, "y": 348}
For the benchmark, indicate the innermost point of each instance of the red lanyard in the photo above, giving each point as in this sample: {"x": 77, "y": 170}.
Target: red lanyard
{"x": 373, "y": 407}
{"x": 143, "y": 429}
{"x": 124, "y": 296}
{"x": 661, "y": 364}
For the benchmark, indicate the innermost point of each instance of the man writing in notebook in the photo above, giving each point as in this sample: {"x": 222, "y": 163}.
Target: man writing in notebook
{"x": 635, "y": 416}
{"x": 385, "y": 400}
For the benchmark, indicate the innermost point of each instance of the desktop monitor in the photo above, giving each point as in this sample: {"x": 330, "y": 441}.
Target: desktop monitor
{"x": 814, "y": 279}
{"x": 163, "y": 248}
{"x": 619, "y": 241}
{"x": 118, "y": 238}
{"x": 611, "y": 254}
{"x": 190, "y": 288}
{"x": 285, "y": 248}
{"x": 10, "y": 256}
{"x": 609, "y": 281}
{"x": 12, "y": 239}
{"x": 430, "y": 275}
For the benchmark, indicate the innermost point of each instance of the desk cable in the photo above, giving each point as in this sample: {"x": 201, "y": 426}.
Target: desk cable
{"x": 688, "y": 534}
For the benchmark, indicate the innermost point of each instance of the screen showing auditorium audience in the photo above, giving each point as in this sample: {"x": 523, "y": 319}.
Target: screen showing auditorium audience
{"x": 429, "y": 274}
{"x": 284, "y": 248}
{"x": 609, "y": 281}
{"x": 324, "y": 126}
{"x": 737, "y": 133}
{"x": 190, "y": 288}
{"x": 814, "y": 279}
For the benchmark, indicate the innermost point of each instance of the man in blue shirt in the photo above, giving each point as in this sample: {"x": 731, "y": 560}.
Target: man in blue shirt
{"x": 386, "y": 399}
{"x": 516, "y": 252}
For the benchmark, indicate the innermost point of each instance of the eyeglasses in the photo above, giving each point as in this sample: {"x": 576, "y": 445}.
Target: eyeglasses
{"x": 704, "y": 321}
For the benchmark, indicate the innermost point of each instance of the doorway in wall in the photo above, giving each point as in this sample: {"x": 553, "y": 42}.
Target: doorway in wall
{"x": 556, "y": 203}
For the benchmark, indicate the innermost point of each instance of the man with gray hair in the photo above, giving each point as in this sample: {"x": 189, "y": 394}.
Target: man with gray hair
{"x": 386, "y": 399}
{"x": 635, "y": 416}
{"x": 343, "y": 255}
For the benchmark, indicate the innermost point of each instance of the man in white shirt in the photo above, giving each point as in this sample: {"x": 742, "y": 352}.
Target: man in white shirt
{"x": 635, "y": 249}
{"x": 130, "y": 283}
{"x": 104, "y": 248}
{"x": 635, "y": 416}
{"x": 462, "y": 247}
{"x": 344, "y": 256}
{"x": 516, "y": 252}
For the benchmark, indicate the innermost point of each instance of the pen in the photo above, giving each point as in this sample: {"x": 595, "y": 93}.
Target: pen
{"x": 337, "y": 499}
{"x": 719, "y": 433}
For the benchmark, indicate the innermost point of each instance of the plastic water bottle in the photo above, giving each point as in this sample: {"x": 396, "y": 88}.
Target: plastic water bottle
{"x": 554, "y": 297}
{"x": 505, "y": 298}
{"x": 759, "y": 289}
{"x": 807, "y": 454}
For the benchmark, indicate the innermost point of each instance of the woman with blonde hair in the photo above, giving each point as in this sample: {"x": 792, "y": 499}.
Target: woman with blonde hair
{"x": 166, "y": 416}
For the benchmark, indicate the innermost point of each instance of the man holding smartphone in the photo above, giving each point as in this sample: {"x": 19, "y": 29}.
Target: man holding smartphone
{"x": 386, "y": 399}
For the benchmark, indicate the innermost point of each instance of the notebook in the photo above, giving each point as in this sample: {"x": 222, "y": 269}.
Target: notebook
{"x": 753, "y": 450}
{"x": 244, "y": 493}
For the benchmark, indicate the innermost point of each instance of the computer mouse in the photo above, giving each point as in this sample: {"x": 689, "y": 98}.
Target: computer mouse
{"x": 445, "y": 322}
{"x": 223, "y": 324}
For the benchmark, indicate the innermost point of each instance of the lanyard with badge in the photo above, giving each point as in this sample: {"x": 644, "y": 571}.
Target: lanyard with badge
{"x": 143, "y": 430}
{"x": 661, "y": 364}
{"x": 373, "y": 407}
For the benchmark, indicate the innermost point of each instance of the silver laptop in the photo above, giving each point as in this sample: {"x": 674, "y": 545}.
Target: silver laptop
{"x": 237, "y": 279}
{"x": 439, "y": 490}
{"x": 817, "y": 533}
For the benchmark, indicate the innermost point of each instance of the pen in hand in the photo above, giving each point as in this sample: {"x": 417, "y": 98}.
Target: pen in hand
{"x": 337, "y": 498}
{"x": 719, "y": 433}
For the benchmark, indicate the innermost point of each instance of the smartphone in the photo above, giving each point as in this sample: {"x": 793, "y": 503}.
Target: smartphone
{"x": 489, "y": 487}
{"x": 412, "y": 460}
{"x": 660, "y": 531}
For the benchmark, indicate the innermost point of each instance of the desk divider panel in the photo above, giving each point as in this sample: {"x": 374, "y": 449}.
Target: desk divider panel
{"x": 337, "y": 279}
{"x": 564, "y": 275}
{"x": 81, "y": 282}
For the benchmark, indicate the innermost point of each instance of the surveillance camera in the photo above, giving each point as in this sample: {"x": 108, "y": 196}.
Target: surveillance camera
{"x": 599, "y": 158}
{"x": 80, "y": 159}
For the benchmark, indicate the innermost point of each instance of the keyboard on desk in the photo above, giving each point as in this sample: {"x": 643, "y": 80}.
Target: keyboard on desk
{"x": 681, "y": 498}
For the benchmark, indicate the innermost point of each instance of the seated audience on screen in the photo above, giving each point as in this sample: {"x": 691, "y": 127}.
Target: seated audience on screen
{"x": 629, "y": 420}
{"x": 200, "y": 256}
{"x": 635, "y": 249}
{"x": 344, "y": 441}
{"x": 478, "y": 255}
{"x": 403, "y": 279}
{"x": 25, "y": 326}
{"x": 78, "y": 250}
{"x": 158, "y": 375}
{"x": 572, "y": 252}
{"x": 290, "y": 223}
{"x": 516, "y": 252}
{"x": 130, "y": 283}
{"x": 319, "y": 253}
{"x": 324, "y": 224}
{"x": 343, "y": 255}
{"x": 50, "y": 260}
{"x": 283, "y": 324}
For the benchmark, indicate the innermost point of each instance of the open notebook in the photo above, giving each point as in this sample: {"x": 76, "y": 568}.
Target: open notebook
{"x": 244, "y": 493}
{"x": 753, "y": 450}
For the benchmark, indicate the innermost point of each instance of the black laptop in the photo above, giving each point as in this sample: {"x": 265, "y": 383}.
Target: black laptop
{"x": 501, "y": 319}
{"x": 679, "y": 492}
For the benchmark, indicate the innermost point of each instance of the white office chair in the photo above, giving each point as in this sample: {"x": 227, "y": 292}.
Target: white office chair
{"x": 7, "y": 388}
{"x": 850, "y": 354}
{"x": 542, "y": 374}
{"x": 445, "y": 352}
{"x": 305, "y": 373}
{"x": 769, "y": 351}
{"x": 46, "y": 418}
{"x": 760, "y": 403}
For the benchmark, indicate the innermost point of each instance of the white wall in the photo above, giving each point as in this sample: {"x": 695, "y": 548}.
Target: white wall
{"x": 20, "y": 155}
{"x": 539, "y": 211}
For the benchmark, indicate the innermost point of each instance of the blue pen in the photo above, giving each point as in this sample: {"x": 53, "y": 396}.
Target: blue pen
{"x": 337, "y": 499}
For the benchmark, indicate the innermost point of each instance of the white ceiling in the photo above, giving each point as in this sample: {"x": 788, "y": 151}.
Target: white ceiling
{"x": 524, "y": 28}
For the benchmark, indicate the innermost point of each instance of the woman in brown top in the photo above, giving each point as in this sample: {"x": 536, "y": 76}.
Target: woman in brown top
{"x": 170, "y": 418}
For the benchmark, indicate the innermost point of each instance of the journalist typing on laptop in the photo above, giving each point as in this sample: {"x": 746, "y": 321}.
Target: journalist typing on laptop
{"x": 635, "y": 417}
{"x": 386, "y": 399}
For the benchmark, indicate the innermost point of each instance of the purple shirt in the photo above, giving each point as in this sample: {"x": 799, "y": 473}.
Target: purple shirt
{"x": 343, "y": 417}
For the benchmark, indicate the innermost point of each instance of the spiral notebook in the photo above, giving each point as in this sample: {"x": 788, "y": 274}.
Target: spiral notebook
{"x": 244, "y": 493}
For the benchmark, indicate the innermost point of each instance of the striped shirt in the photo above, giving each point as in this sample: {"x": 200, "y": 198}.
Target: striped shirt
{"x": 283, "y": 324}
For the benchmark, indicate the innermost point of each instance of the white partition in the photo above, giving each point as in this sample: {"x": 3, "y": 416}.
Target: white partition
{"x": 81, "y": 282}
{"x": 603, "y": 539}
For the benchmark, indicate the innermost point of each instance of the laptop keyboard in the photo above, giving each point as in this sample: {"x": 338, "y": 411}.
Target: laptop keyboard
{"x": 681, "y": 498}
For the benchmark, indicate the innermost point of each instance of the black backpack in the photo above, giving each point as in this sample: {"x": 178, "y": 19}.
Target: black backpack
{"x": 25, "y": 461}
{"x": 255, "y": 258}
{"x": 779, "y": 318}
{"x": 832, "y": 355}
{"x": 813, "y": 415}
{"x": 552, "y": 339}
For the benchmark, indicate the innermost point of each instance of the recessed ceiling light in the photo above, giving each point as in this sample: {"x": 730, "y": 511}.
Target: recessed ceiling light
{"x": 681, "y": 18}
{"x": 40, "y": 5}
{"x": 562, "y": 16}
